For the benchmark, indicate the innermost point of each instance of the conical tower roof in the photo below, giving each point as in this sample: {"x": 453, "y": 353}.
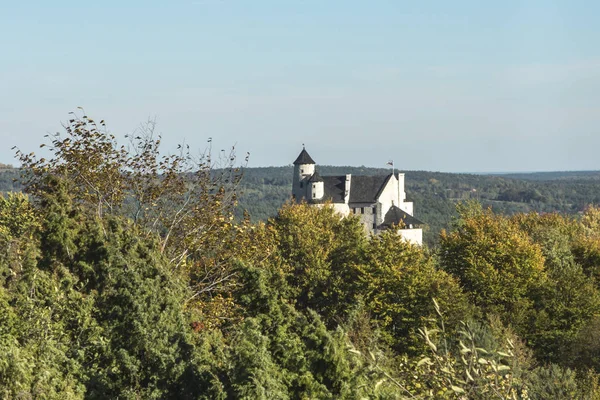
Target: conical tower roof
{"x": 304, "y": 158}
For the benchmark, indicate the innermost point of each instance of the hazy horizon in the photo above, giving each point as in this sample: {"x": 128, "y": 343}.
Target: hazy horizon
{"x": 461, "y": 86}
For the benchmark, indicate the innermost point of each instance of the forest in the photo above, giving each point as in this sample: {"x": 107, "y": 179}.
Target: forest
{"x": 126, "y": 273}
{"x": 264, "y": 190}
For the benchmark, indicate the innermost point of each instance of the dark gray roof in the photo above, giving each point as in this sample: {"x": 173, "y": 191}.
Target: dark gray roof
{"x": 395, "y": 215}
{"x": 315, "y": 178}
{"x": 334, "y": 187}
{"x": 366, "y": 189}
{"x": 304, "y": 158}
{"x": 363, "y": 189}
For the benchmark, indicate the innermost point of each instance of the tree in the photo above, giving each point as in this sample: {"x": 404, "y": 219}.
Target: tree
{"x": 496, "y": 263}
{"x": 566, "y": 299}
{"x": 586, "y": 244}
{"x": 185, "y": 201}
{"x": 35, "y": 305}
{"x": 283, "y": 352}
{"x": 321, "y": 250}
{"x": 398, "y": 281}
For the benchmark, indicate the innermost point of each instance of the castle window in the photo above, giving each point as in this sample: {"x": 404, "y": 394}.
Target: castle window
{"x": 362, "y": 210}
{"x": 314, "y": 195}
{"x": 302, "y": 170}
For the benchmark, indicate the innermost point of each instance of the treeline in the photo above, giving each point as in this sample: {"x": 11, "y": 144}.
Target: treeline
{"x": 124, "y": 274}
{"x": 262, "y": 191}
{"x": 265, "y": 190}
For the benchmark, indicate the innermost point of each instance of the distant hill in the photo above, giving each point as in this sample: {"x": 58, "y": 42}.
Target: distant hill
{"x": 10, "y": 179}
{"x": 265, "y": 189}
{"x": 550, "y": 176}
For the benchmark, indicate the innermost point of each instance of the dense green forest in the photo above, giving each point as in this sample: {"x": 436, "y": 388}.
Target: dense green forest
{"x": 125, "y": 274}
{"x": 262, "y": 192}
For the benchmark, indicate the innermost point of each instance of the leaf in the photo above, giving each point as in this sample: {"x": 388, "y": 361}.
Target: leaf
{"x": 469, "y": 375}
{"x": 437, "y": 307}
{"x": 457, "y": 390}
{"x": 372, "y": 355}
{"x": 425, "y": 360}
{"x": 463, "y": 349}
{"x": 433, "y": 346}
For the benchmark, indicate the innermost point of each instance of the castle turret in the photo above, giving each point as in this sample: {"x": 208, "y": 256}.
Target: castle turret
{"x": 304, "y": 168}
{"x": 316, "y": 185}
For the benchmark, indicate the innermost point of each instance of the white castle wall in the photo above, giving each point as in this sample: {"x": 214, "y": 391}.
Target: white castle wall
{"x": 407, "y": 206}
{"x": 414, "y": 236}
{"x": 317, "y": 190}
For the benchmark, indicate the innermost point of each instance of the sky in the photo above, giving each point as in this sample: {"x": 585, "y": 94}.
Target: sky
{"x": 456, "y": 86}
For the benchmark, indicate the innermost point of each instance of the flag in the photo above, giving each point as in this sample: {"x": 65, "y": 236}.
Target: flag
{"x": 390, "y": 163}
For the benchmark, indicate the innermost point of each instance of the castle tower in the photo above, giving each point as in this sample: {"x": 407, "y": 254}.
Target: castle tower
{"x": 304, "y": 168}
{"x": 316, "y": 187}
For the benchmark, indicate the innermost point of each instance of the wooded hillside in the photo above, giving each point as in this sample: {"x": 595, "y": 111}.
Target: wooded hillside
{"x": 265, "y": 190}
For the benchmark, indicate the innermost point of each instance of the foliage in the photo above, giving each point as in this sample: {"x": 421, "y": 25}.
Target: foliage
{"x": 465, "y": 369}
{"x": 179, "y": 198}
{"x": 497, "y": 264}
{"x": 263, "y": 190}
{"x": 525, "y": 269}
{"x": 124, "y": 274}
{"x": 321, "y": 251}
{"x": 567, "y": 299}
{"x": 398, "y": 280}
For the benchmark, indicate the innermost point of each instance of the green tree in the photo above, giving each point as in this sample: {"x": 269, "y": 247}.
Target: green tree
{"x": 496, "y": 263}
{"x": 282, "y": 352}
{"x": 566, "y": 299}
{"x": 185, "y": 201}
{"x": 35, "y": 306}
{"x": 322, "y": 251}
{"x": 397, "y": 282}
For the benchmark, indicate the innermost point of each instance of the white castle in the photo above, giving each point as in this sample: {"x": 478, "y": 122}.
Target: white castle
{"x": 380, "y": 201}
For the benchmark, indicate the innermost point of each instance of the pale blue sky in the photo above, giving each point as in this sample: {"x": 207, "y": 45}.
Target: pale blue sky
{"x": 434, "y": 85}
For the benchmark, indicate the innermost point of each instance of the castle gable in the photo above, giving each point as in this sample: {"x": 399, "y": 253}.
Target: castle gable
{"x": 366, "y": 189}
{"x": 395, "y": 216}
